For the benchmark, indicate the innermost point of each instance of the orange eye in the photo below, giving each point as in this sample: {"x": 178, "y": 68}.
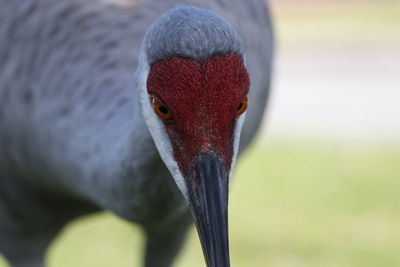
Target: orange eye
{"x": 242, "y": 106}
{"x": 160, "y": 109}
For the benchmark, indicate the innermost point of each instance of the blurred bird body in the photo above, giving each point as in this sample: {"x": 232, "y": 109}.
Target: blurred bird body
{"x": 73, "y": 138}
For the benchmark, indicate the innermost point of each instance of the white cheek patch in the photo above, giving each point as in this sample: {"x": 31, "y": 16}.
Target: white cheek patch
{"x": 236, "y": 138}
{"x": 157, "y": 129}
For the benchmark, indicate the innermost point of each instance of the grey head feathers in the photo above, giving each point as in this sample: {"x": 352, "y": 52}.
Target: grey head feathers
{"x": 191, "y": 32}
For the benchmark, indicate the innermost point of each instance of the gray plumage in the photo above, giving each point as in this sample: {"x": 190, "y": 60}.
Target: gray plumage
{"x": 192, "y": 33}
{"x": 72, "y": 138}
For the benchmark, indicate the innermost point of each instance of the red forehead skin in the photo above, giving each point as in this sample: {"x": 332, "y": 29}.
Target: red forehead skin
{"x": 203, "y": 98}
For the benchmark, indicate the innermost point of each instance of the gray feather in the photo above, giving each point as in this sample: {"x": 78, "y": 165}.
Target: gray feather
{"x": 191, "y": 32}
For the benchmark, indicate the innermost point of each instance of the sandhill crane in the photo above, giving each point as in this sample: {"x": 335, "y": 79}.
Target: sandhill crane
{"x": 137, "y": 110}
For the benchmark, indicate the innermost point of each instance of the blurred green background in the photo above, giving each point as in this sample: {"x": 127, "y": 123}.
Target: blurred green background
{"x": 320, "y": 186}
{"x": 293, "y": 204}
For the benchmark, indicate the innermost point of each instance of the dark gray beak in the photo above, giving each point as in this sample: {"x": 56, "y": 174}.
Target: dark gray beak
{"x": 208, "y": 193}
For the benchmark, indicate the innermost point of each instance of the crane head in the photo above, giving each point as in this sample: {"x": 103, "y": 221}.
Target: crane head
{"x": 194, "y": 87}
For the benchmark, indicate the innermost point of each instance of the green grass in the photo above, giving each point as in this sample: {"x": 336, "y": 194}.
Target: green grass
{"x": 292, "y": 204}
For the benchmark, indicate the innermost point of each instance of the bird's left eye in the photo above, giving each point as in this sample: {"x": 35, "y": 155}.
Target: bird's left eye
{"x": 242, "y": 106}
{"x": 160, "y": 109}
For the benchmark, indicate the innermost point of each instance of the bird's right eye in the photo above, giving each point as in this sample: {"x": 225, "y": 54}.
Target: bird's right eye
{"x": 160, "y": 109}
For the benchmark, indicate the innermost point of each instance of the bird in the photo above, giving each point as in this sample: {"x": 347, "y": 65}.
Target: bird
{"x": 139, "y": 109}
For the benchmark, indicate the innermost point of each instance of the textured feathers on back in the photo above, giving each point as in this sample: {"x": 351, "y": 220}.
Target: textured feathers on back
{"x": 69, "y": 106}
